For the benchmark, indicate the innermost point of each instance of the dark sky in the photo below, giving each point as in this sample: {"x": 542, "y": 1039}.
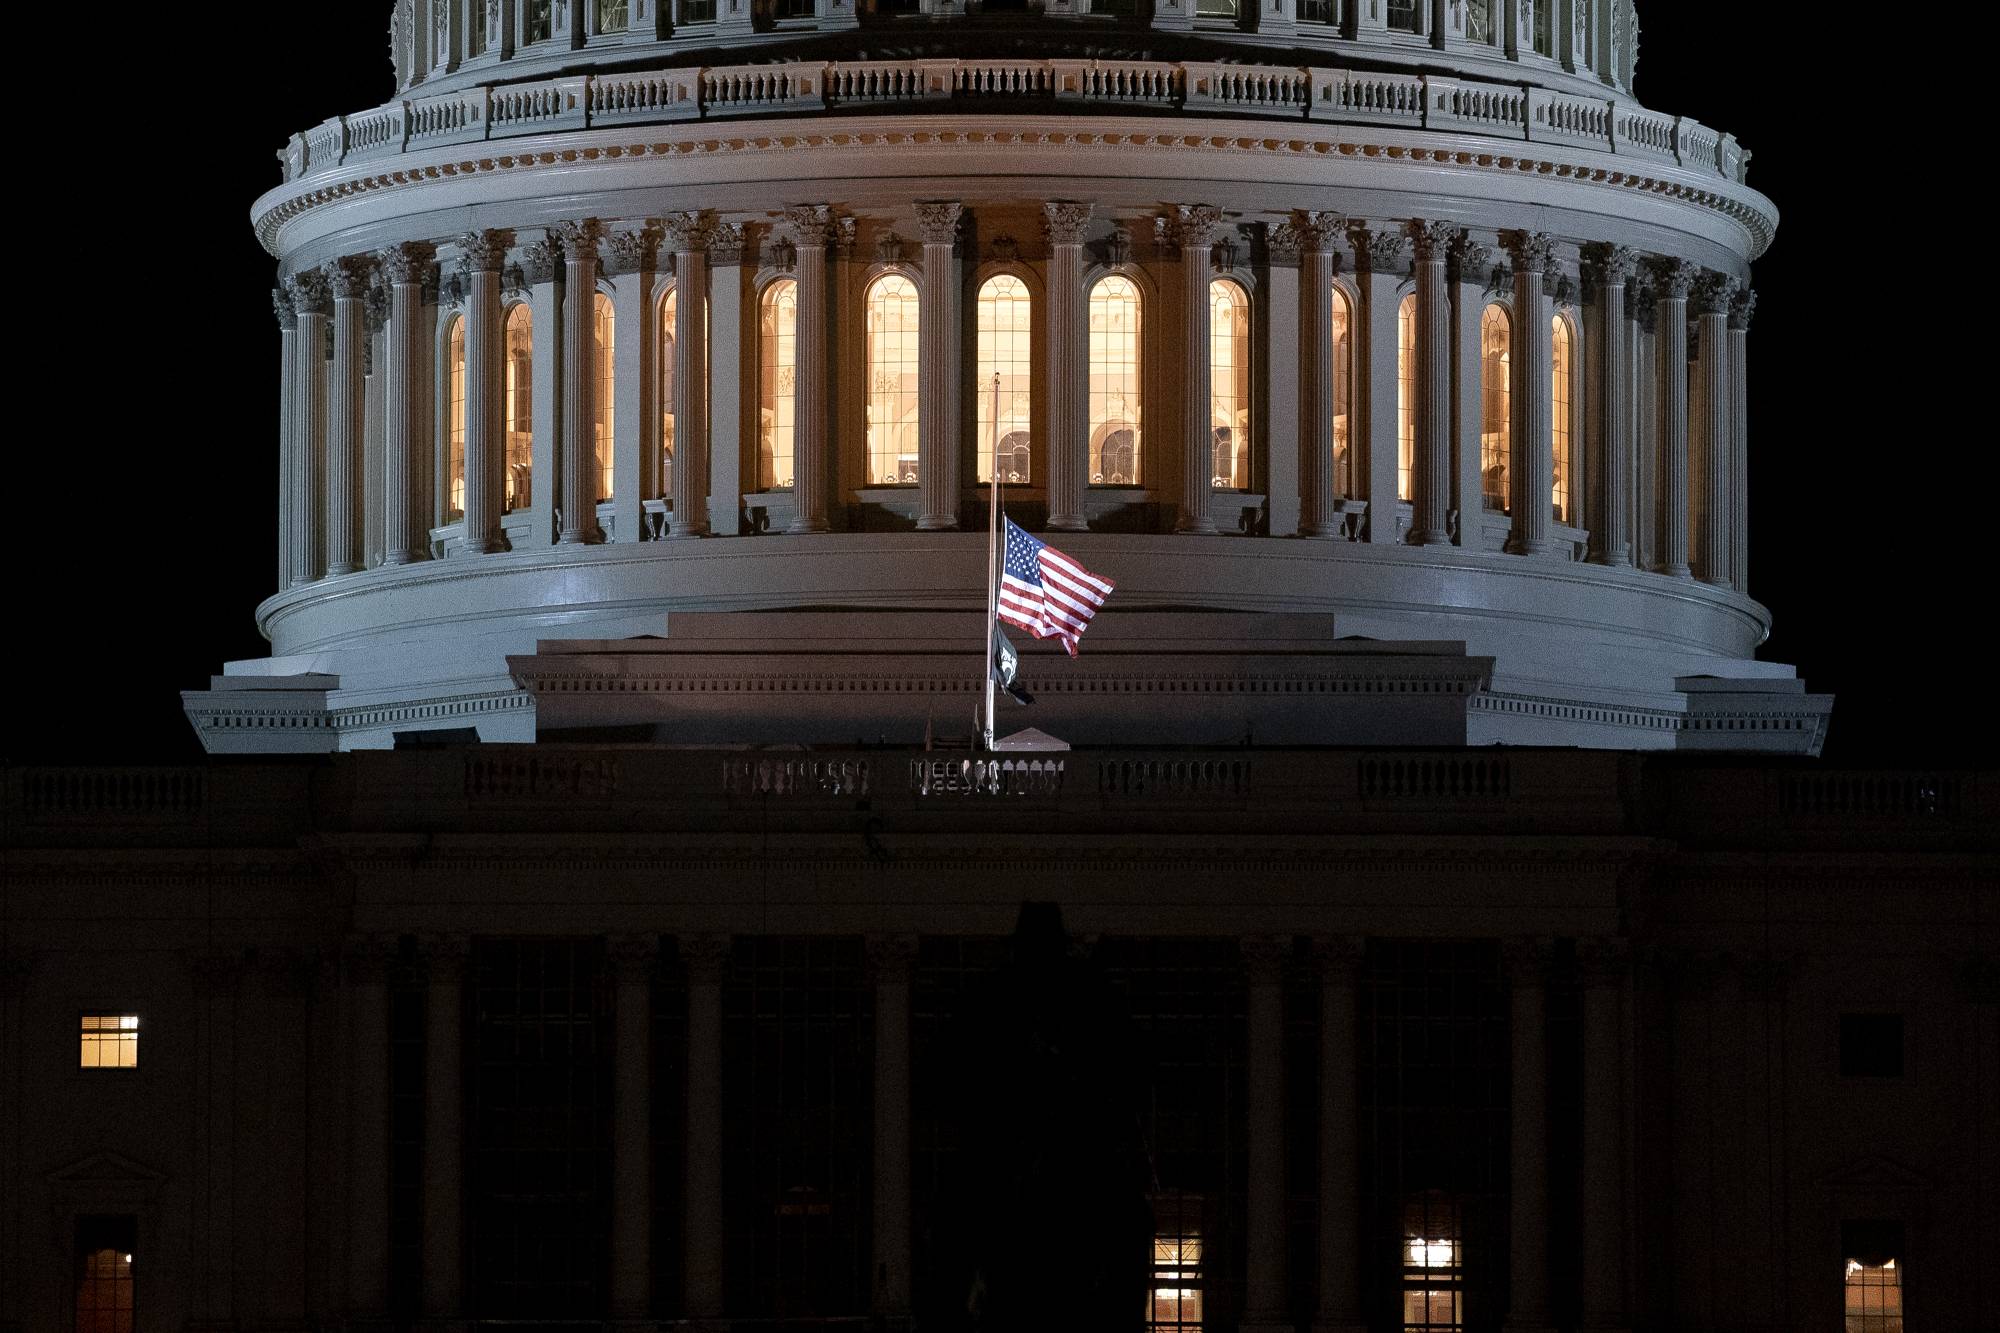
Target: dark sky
{"x": 149, "y": 502}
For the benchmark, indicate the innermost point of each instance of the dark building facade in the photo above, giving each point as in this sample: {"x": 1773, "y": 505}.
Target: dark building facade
{"x": 639, "y": 1037}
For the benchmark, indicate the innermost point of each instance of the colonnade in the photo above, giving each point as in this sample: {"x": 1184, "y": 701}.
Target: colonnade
{"x": 1604, "y": 970}
{"x": 1655, "y": 421}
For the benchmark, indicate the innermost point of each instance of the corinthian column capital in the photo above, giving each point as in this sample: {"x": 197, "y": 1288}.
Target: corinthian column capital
{"x": 541, "y": 260}
{"x": 1471, "y": 261}
{"x": 1282, "y": 244}
{"x": 1376, "y": 249}
{"x": 311, "y": 293}
{"x": 937, "y": 221}
{"x": 1742, "y": 307}
{"x": 1712, "y": 293}
{"x": 811, "y": 224}
{"x": 484, "y": 251}
{"x": 1673, "y": 279}
{"x": 1316, "y": 229}
{"x": 348, "y": 276}
{"x": 282, "y": 307}
{"x": 1433, "y": 241}
{"x": 1065, "y": 220}
{"x": 409, "y": 262}
{"x": 633, "y": 250}
{"x": 1531, "y": 251}
{"x": 688, "y": 232}
{"x": 1608, "y": 265}
{"x": 579, "y": 239}
{"x": 1194, "y": 226}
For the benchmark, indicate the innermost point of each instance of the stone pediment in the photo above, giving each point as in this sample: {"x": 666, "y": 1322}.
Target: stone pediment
{"x": 1874, "y": 1174}
{"x": 106, "y": 1168}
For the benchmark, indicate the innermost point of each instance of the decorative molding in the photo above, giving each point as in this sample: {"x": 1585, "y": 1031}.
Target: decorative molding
{"x": 1065, "y": 221}
{"x": 579, "y": 239}
{"x": 1742, "y": 307}
{"x": 1531, "y": 251}
{"x": 1118, "y": 246}
{"x": 889, "y": 247}
{"x": 705, "y": 958}
{"x": 1433, "y": 241}
{"x": 541, "y": 261}
{"x": 311, "y": 293}
{"x": 1471, "y": 260}
{"x": 1193, "y": 226}
{"x": 1282, "y": 245}
{"x": 282, "y": 307}
{"x": 1003, "y": 249}
{"x": 938, "y": 221}
{"x": 634, "y": 959}
{"x": 631, "y": 250}
{"x": 1673, "y": 278}
{"x": 811, "y": 224}
{"x": 1376, "y": 249}
{"x": 891, "y": 958}
{"x": 1227, "y": 252}
{"x": 1712, "y": 293}
{"x": 375, "y": 304}
{"x": 484, "y": 251}
{"x": 727, "y": 243}
{"x": 844, "y": 234}
{"x": 782, "y": 254}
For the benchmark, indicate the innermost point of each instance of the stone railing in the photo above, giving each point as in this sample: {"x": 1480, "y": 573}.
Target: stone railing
{"x": 1410, "y": 101}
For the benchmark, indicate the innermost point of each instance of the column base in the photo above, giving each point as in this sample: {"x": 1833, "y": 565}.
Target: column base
{"x": 937, "y": 525}
{"x": 1200, "y": 528}
{"x": 806, "y": 528}
{"x": 1431, "y": 539}
{"x": 1067, "y": 524}
{"x": 686, "y": 534}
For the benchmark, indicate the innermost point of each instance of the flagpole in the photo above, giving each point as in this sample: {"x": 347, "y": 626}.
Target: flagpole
{"x": 992, "y": 558}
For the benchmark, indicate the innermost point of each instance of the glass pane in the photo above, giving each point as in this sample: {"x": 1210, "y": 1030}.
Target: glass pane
{"x": 519, "y": 391}
{"x": 1343, "y": 389}
{"x": 454, "y": 504}
{"x": 892, "y": 381}
{"x": 104, "y": 1298}
{"x": 1115, "y": 425}
{"x": 1229, "y": 384}
{"x": 1403, "y": 16}
{"x": 1874, "y": 1297}
{"x": 603, "y": 332}
{"x": 1562, "y": 396}
{"x": 611, "y": 15}
{"x": 777, "y": 384}
{"x": 1002, "y": 384}
{"x": 1215, "y": 9}
{"x": 669, "y": 334}
{"x": 538, "y": 24}
{"x": 1406, "y": 397}
{"x": 1496, "y": 425}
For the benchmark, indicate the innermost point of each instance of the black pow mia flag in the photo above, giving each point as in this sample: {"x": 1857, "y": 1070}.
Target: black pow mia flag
{"x": 1007, "y": 668}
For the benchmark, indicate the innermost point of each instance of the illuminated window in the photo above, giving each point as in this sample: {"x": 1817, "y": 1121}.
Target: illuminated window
{"x": 1115, "y": 423}
{"x": 606, "y": 337}
{"x": 537, "y": 23}
{"x": 1343, "y": 388}
{"x": 519, "y": 391}
{"x": 777, "y": 383}
{"x": 1406, "y": 397}
{"x": 104, "y": 1289}
{"x": 1496, "y": 421}
{"x": 1873, "y": 1278}
{"x": 1006, "y": 322}
{"x": 454, "y": 461}
{"x": 611, "y": 15}
{"x": 1433, "y": 1264}
{"x": 1175, "y": 1301}
{"x": 669, "y": 338}
{"x": 1229, "y": 384}
{"x": 109, "y": 1041}
{"x": 1562, "y": 400}
{"x": 892, "y": 381}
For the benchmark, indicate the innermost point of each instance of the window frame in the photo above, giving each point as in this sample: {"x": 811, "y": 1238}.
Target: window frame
{"x": 1505, "y": 454}
{"x": 1246, "y": 286}
{"x": 449, "y": 318}
{"x": 871, "y": 276}
{"x": 604, "y": 398}
{"x": 1407, "y": 393}
{"x": 1343, "y": 463}
{"x": 120, "y": 1012}
{"x": 760, "y": 292}
{"x": 508, "y": 310}
{"x": 1037, "y": 349}
{"x": 1572, "y": 515}
{"x": 1146, "y": 348}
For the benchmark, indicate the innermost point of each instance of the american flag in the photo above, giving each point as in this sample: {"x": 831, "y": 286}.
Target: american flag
{"x": 1045, "y": 592}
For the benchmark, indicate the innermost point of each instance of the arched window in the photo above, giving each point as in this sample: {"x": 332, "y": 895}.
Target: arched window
{"x": 1562, "y": 406}
{"x": 777, "y": 383}
{"x": 1406, "y": 397}
{"x": 603, "y": 331}
{"x": 669, "y": 326}
{"x": 454, "y": 455}
{"x": 1343, "y": 388}
{"x": 1006, "y": 321}
{"x": 519, "y": 391}
{"x": 1496, "y": 406}
{"x": 1115, "y": 424}
{"x": 1229, "y": 384}
{"x": 892, "y": 381}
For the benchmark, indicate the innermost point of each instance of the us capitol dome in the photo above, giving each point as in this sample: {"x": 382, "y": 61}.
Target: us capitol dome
{"x": 1397, "y": 329}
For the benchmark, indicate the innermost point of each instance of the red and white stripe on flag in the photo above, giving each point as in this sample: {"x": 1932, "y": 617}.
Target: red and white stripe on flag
{"x": 1045, "y": 592}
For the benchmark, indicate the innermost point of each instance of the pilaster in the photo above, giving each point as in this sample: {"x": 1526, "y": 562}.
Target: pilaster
{"x": 482, "y": 254}
{"x": 579, "y": 241}
{"x": 1432, "y": 506}
{"x": 687, "y": 237}
{"x": 312, "y": 304}
{"x": 1194, "y": 228}
{"x": 938, "y": 366}
{"x": 1470, "y": 271}
{"x": 1672, "y": 279}
{"x": 731, "y": 345}
{"x": 812, "y": 228}
{"x": 1320, "y": 485}
{"x": 1378, "y": 254}
{"x": 1533, "y": 254}
{"x": 1711, "y": 476}
{"x": 444, "y": 1116}
{"x": 1279, "y": 314}
{"x": 1608, "y": 443}
{"x": 1068, "y": 343}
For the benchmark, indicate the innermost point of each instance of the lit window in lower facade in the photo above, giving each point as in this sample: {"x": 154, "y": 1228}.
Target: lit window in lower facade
{"x": 603, "y": 329}
{"x": 109, "y": 1041}
{"x": 1343, "y": 390}
{"x": 1874, "y": 1297}
{"x": 1433, "y": 1264}
{"x": 1175, "y": 1300}
{"x": 892, "y": 381}
{"x": 519, "y": 390}
{"x": 454, "y": 461}
{"x": 1006, "y": 324}
{"x": 1229, "y": 384}
{"x": 1115, "y": 425}
{"x": 1562, "y": 403}
{"x": 777, "y": 383}
{"x": 105, "y": 1294}
{"x": 669, "y": 336}
{"x": 1496, "y": 423}
{"x": 1406, "y": 398}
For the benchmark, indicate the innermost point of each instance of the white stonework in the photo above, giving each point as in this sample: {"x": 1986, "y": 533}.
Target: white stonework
{"x": 560, "y": 153}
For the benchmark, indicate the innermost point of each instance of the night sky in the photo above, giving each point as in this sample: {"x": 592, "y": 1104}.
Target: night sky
{"x": 149, "y": 503}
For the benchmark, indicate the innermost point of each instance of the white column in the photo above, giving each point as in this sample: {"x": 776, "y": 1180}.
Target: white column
{"x": 1278, "y": 318}
{"x": 729, "y": 334}
{"x": 367, "y": 967}
{"x": 1604, "y": 965}
{"x": 890, "y": 959}
{"x": 687, "y": 236}
{"x": 1528, "y": 1183}
{"x": 1671, "y": 281}
{"x": 1711, "y": 475}
{"x": 444, "y": 1118}
{"x": 346, "y": 419}
{"x": 375, "y": 411}
{"x": 812, "y": 228}
{"x": 1645, "y": 427}
{"x": 633, "y": 960}
{"x": 1195, "y": 227}
{"x": 706, "y": 957}
{"x": 1741, "y": 310}
{"x": 288, "y": 322}
{"x": 1431, "y": 517}
{"x": 1265, "y": 1307}
{"x": 1068, "y": 344}
{"x": 1470, "y": 271}
{"x": 629, "y": 259}
{"x": 407, "y": 375}
{"x": 312, "y": 300}
{"x": 1533, "y": 466}
{"x": 481, "y": 255}
{"x": 542, "y": 267}
{"x": 1372, "y": 430}
{"x": 938, "y": 367}
{"x": 1319, "y": 484}
{"x": 1338, "y": 961}
{"x": 1610, "y": 447}
{"x": 579, "y": 362}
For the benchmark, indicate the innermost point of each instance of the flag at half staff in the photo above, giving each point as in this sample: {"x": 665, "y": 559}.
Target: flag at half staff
{"x": 1045, "y": 592}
